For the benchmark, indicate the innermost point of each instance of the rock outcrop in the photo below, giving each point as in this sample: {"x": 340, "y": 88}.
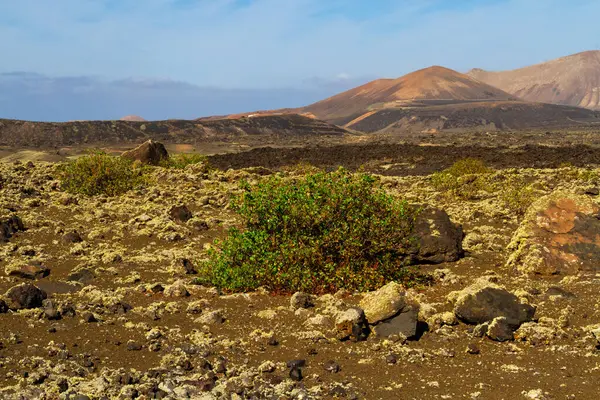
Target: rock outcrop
{"x": 149, "y": 152}
{"x": 559, "y": 235}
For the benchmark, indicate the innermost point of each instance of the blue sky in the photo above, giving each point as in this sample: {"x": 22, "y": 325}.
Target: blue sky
{"x": 308, "y": 48}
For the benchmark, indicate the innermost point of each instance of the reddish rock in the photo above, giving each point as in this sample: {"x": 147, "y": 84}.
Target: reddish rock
{"x": 559, "y": 235}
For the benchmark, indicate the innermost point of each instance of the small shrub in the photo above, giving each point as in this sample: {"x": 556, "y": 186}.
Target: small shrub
{"x": 180, "y": 161}
{"x": 464, "y": 179}
{"x": 99, "y": 173}
{"x": 317, "y": 233}
{"x": 516, "y": 195}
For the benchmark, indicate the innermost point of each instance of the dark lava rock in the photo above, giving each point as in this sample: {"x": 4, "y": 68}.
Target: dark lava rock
{"x": 404, "y": 323}
{"x": 133, "y": 346}
{"x": 72, "y": 237}
{"x": 296, "y": 374}
{"x": 25, "y": 296}
{"x": 30, "y": 272}
{"x": 301, "y": 300}
{"x": 10, "y": 226}
{"x": 180, "y": 213}
{"x": 483, "y": 301}
{"x": 150, "y": 152}
{"x": 332, "y": 367}
{"x": 472, "y": 348}
{"x": 188, "y": 266}
{"x": 439, "y": 239}
{"x": 296, "y": 363}
{"x": 3, "y": 307}
{"x": 88, "y": 317}
{"x": 83, "y": 275}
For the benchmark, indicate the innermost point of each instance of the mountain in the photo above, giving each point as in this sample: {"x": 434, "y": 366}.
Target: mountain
{"x": 573, "y": 80}
{"x": 429, "y": 84}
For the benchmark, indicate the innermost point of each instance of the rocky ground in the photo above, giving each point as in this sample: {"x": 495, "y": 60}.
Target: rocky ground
{"x": 99, "y": 299}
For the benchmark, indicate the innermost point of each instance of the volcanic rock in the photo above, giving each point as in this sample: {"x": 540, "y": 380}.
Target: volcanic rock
{"x": 180, "y": 213}
{"x": 27, "y": 271}
{"x": 439, "y": 239}
{"x": 25, "y": 296}
{"x": 559, "y": 235}
{"x": 383, "y": 303}
{"x": 150, "y": 152}
{"x": 10, "y": 226}
{"x": 483, "y": 301}
{"x": 500, "y": 330}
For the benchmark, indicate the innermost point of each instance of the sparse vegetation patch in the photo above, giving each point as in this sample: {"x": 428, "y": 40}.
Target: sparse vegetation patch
{"x": 99, "y": 173}
{"x": 464, "y": 179}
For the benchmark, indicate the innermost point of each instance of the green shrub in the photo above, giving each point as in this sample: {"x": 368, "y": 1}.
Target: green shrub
{"x": 516, "y": 194}
{"x": 464, "y": 179}
{"x": 318, "y": 233}
{"x": 180, "y": 161}
{"x": 99, "y": 173}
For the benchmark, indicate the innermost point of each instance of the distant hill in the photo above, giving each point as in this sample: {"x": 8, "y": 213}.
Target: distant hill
{"x": 572, "y": 80}
{"x": 132, "y": 118}
{"x": 41, "y": 135}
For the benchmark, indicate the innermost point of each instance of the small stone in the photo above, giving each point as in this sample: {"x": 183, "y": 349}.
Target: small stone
{"x": 352, "y": 324}
{"x": 83, "y": 275}
{"x": 300, "y": 363}
{"x": 72, "y": 237}
{"x": 500, "y": 330}
{"x": 88, "y": 317}
{"x": 391, "y": 359}
{"x": 188, "y": 267}
{"x": 133, "y": 346}
{"x": 332, "y": 366}
{"x": 180, "y": 213}
{"x": 301, "y": 300}
{"x": 51, "y": 311}
{"x": 296, "y": 374}
{"x": 472, "y": 348}
{"x": 211, "y": 318}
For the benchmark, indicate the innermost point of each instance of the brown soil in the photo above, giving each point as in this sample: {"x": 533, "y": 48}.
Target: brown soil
{"x": 41, "y": 357}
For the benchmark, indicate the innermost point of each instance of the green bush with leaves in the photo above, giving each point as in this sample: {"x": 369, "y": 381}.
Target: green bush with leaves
{"x": 464, "y": 179}
{"x": 516, "y": 194}
{"x": 180, "y": 161}
{"x": 318, "y": 233}
{"x": 99, "y": 173}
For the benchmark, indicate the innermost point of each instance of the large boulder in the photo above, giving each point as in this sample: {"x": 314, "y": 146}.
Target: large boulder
{"x": 484, "y": 301}
{"x": 24, "y": 296}
{"x": 150, "y": 152}
{"x": 559, "y": 235}
{"x": 439, "y": 239}
{"x": 9, "y": 226}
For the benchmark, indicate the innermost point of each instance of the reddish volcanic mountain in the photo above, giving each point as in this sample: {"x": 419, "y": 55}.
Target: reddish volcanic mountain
{"x": 433, "y": 83}
{"x": 135, "y": 118}
{"x": 573, "y": 80}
